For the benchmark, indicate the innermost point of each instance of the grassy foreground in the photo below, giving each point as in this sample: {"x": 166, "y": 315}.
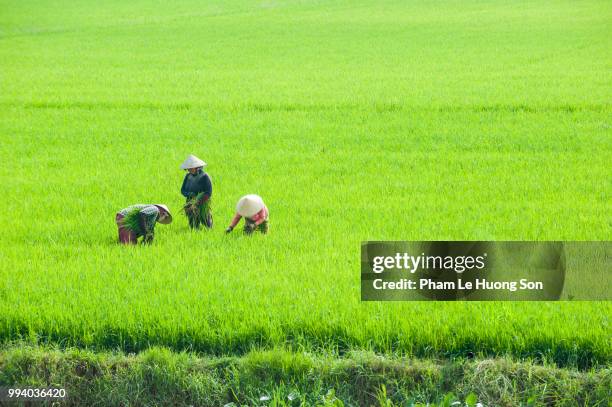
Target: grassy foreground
{"x": 280, "y": 378}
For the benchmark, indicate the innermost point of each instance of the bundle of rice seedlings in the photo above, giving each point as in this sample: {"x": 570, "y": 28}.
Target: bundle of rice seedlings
{"x": 131, "y": 221}
{"x": 191, "y": 207}
{"x": 197, "y": 213}
{"x": 205, "y": 208}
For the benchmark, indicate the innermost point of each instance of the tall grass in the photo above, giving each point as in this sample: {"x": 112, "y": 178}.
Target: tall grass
{"x": 281, "y": 378}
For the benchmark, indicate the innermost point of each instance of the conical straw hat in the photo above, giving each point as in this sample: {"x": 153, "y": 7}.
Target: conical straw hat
{"x": 249, "y": 205}
{"x": 192, "y": 162}
{"x": 167, "y": 219}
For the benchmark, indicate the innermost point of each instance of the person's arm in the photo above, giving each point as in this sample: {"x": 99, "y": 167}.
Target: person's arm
{"x": 183, "y": 188}
{"x": 261, "y": 216}
{"x": 149, "y": 216}
{"x": 235, "y": 221}
{"x": 206, "y": 188}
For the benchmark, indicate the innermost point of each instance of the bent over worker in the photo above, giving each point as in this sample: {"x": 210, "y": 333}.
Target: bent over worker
{"x": 139, "y": 221}
{"x": 255, "y": 214}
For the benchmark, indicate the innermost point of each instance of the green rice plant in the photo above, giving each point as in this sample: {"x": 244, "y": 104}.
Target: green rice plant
{"x": 405, "y": 120}
{"x": 133, "y": 221}
{"x": 197, "y": 212}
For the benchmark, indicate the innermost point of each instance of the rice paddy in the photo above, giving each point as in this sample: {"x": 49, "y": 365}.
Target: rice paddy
{"x": 353, "y": 120}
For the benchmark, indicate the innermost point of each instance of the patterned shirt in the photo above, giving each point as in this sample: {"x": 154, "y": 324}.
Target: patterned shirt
{"x": 149, "y": 214}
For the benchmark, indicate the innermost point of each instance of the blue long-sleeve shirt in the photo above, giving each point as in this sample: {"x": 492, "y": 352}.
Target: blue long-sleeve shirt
{"x": 193, "y": 184}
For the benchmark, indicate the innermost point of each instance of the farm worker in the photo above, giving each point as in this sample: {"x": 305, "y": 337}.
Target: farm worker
{"x": 255, "y": 214}
{"x": 197, "y": 189}
{"x": 139, "y": 220}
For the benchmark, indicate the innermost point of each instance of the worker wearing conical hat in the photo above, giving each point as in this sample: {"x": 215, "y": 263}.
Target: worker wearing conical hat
{"x": 197, "y": 189}
{"x": 139, "y": 220}
{"x": 255, "y": 213}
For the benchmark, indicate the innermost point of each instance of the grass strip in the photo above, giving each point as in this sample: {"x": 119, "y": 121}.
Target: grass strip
{"x": 279, "y": 377}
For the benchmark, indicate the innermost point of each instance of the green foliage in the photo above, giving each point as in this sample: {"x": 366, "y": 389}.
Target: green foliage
{"x": 158, "y": 376}
{"x": 390, "y": 120}
{"x": 471, "y": 400}
{"x": 197, "y": 212}
{"x": 132, "y": 221}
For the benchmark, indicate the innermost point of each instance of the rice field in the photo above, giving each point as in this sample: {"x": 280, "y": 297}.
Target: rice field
{"x": 353, "y": 120}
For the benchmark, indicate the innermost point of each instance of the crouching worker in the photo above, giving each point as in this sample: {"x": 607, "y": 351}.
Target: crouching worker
{"x": 139, "y": 220}
{"x": 255, "y": 214}
{"x": 197, "y": 188}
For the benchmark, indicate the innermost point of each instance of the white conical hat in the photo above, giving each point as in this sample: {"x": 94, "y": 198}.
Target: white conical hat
{"x": 167, "y": 219}
{"x": 249, "y": 205}
{"x": 192, "y": 162}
